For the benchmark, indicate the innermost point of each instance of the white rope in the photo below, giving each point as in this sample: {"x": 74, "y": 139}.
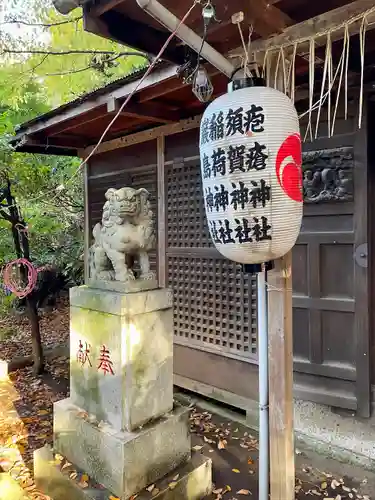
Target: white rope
{"x": 291, "y": 78}
{"x": 285, "y": 80}
{"x": 330, "y": 76}
{"x": 323, "y": 97}
{"x": 246, "y": 54}
{"x": 311, "y": 86}
{"x": 362, "y": 42}
{"x": 342, "y": 64}
{"x": 322, "y": 88}
{"x": 277, "y": 69}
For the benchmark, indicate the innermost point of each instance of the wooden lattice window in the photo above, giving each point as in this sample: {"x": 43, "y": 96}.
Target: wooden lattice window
{"x": 214, "y": 301}
{"x": 187, "y": 224}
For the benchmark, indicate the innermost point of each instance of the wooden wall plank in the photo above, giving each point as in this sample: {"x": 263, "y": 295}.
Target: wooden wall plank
{"x": 361, "y": 287}
{"x": 162, "y": 237}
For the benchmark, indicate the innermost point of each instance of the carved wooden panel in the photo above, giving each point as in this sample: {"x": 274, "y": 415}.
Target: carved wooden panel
{"x": 328, "y": 175}
{"x": 214, "y": 302}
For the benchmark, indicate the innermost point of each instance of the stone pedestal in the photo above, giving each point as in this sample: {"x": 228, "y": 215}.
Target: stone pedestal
{"x": 120, "y": 426}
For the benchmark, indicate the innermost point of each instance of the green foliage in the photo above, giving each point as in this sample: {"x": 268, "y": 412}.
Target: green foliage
{"x": 34, "y": 78}
{"x": 88, "y": 61}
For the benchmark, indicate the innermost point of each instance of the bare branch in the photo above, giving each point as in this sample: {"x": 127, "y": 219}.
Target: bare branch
{"x": 41, "y": 25}
{"x": 70, "y": 52}
{"x": 90, "y": 66}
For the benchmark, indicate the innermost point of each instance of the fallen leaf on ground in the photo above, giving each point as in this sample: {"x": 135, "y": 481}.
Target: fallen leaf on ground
{"x": 150, "y": 488}
{"x": 172, "y": 485}
{"x": 222, "y": 444}
{"x": 244, "y": 492}
{"x": 155, "y": 492}
{"x": 236, "y": 471}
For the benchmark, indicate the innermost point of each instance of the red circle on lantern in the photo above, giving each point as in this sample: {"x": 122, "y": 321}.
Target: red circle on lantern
{"x": 290, "y": 176}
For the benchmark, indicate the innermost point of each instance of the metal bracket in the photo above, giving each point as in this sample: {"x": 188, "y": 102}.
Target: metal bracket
{"x": 360, "y": 255}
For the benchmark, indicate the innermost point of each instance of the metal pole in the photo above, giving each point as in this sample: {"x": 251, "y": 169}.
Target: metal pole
{"x": 262, "y": 306}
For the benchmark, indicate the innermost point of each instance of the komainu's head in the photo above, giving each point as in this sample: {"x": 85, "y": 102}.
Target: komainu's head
{"x": 126, "y": 203}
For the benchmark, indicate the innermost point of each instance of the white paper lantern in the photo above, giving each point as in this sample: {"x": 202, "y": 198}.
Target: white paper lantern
{"x": 250, "y": 151}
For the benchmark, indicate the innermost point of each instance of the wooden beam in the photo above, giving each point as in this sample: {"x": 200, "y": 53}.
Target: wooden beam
{"x": 272, "y": 16}
{"x": 280, "y": 359}
{"x": 162, "y": 222}
{"x": 150, "y": 112}
{"x": 317, "y": 27}
{"x": 146, "y": 135}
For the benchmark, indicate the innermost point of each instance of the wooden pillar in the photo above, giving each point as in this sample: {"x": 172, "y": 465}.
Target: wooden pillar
{"x": 162, "y": 236}
{"x": 281, "y": 429}
{"x": 87, "y": 229}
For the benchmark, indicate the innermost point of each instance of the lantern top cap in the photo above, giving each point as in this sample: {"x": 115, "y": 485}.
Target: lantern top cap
{"x": 241, "y": 83}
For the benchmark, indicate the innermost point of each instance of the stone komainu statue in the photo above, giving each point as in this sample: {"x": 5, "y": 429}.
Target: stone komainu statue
{"x": 125, "y": 233}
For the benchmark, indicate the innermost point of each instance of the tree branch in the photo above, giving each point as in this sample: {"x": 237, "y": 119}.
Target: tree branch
{"x": 41, "y": 25}
{"x": 90, "y": 66}
{"x": 70, "y": 52}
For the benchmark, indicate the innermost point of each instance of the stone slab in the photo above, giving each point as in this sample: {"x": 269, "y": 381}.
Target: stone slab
{"x": 137, "y": 285}
{"x": 122, "y": 304}
{"x": 10, "y": 489}
{"x": 194, "y": 481}
{"x": 123, "y": 462}
{"x": 135, "y": 384}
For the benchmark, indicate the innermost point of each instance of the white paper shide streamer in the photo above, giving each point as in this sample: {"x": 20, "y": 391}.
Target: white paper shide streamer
{"x": 250, "y": 149}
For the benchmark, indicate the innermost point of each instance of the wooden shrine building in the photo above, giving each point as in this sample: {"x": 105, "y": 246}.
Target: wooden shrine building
{"x": 154, "y": 144}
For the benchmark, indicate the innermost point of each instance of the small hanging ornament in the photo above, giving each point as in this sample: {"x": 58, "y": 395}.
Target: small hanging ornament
{"x": 202, "y": 86}
{"x": 250, "y": 150}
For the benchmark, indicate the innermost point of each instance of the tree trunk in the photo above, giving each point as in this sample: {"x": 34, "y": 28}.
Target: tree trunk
{"x": 21, "y": 243}
{"x": 36, "y": 341}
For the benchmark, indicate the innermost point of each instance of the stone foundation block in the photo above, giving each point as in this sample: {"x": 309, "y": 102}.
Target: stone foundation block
{"x": 121, "y": 354}
{"x": 193, "y": 481}
{"x": 124, "y": 462}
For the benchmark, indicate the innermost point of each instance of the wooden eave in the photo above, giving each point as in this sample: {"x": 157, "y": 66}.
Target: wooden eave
{"x": 162, "y": 98}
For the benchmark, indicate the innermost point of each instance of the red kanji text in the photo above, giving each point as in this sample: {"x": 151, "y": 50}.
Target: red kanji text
{"x": 105, "y": 362}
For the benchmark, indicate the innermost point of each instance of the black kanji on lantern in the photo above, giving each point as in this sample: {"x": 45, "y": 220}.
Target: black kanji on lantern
{"x": 225, "y": 232}
{"x": 253, "y": 119}
{"x": 243, "y": 231}
{"x": 209, "y": 199}
{"x": 260, "y": 230}
{"x": 234, "y": 121}
{"x": 240, "y": 195}
{"x": 256, "y": 158}
{"x": 236, "y": 158}
{"x": 213, "y": 231}
{"x": 218, "y": 161}
{"x": 260, "y": 193}
{"x": 217, "y": 126}
{"x": 206, "y": 167}
{"x": 205, "y": 131}
{"x": 221, "y": 198}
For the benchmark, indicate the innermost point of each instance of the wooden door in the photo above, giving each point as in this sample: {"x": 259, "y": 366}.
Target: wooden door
{"x": 330, "y": 291}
